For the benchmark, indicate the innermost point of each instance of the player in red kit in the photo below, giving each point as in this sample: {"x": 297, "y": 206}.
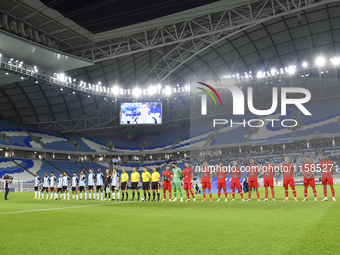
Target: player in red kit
{"x": 268, "y": 179}
{"x": 308, "y": 170}
{"x": 327, "y": 169}
{"x": 288, "y": 170}
{"x": 188, "y": 176}
{"x": 235, "y": 173}
{"x": 222, "y": 174}
{"x": 167, "y": 176}
{"x": 206, "y": 180}
{"x": 253, "y": 171}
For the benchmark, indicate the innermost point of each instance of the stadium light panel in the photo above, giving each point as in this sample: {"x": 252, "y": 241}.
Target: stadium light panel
{"x": 320, "y": 61}
{"x": 61, "y": 76}
{"x": 335, "y": 61}
{"x": 152, "y": 90}
{"x": 291, "y": 69}
{"x": 304, "y": 64}
{"x": 136, "y": 92}
{"x": 167, "y": 90}
{"x": 259, "y": 75}
{"x": 116, "y": 90}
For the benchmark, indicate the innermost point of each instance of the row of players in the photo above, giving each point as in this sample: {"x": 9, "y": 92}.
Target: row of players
{"x": 176, "y": 175}
{"x": 95, "y": 182}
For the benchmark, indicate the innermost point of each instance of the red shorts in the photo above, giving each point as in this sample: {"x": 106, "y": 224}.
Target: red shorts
{"x": 235, "y": 184}
{"x": 290, "y": 182}
{"x": 187, "y": 186}
{"x": 268, "y": 182}
{"x": 324, "y": 181}
{"x": 310, "y": 182}
{"x": 253, "y": 183}
{"x": 221, "y": 185}
{"x": 167, "y": 186}
{"x": 206, "y": 185}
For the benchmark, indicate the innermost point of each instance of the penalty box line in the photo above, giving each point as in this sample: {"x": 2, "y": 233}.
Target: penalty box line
{"x": 62, "y": 208}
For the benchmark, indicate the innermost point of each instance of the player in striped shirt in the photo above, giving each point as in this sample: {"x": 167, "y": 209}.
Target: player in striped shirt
{"x": 46, "y": 185}
{"x": 188, "y": 176}
{"x": 253, "y": 171}
{"x": 222, "y": 174}
{"x": 146, "y": 178}
{"x": 288, "y": 170}
{"x": 235, "y": 173}
{"x": 91, "y": 183}
{"x": 66, "y": 184}
{"x": 99, "y": 183}
{"x": 82, "y": 181}
{"x": 327, "y": 169}
{"x": 308, "y": 171}
{"x": 107, "y": 182}
{"x": 74, "y": 184}
{"x": 268, "y": 179}
{"x": 53, "y": 185}
{"x": 115, "y": 184}
{"x": 59, "y": 187}
{"x": 37, "y": 181}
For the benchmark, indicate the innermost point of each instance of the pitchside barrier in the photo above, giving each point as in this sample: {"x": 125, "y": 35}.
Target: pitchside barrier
{"x": 15, "y": 186}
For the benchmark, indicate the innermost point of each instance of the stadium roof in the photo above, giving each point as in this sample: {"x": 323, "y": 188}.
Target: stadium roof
{"x": 288, "y": 35}
{"x": 104, "y": 15}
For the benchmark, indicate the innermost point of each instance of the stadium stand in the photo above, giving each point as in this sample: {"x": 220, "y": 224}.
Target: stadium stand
{"x": 324, "y": 119}
{"x": 166, "y": 139}
{"x": 9, "y": 167}
{"x": 68, "y": 167}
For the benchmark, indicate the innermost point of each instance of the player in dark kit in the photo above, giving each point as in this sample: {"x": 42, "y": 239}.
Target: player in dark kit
{"x": 107, "y": 182}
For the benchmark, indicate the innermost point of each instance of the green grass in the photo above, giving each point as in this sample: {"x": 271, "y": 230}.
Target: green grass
{"x": 171, "y": 228}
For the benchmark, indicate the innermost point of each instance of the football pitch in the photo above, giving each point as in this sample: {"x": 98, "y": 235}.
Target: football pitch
{"x": 102, "y": 227}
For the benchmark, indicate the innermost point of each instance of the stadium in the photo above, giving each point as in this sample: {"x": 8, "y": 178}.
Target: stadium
{"x": 217, "y": 122}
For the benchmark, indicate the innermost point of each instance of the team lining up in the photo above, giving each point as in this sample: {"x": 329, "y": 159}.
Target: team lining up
{"x": 171, "y": 180}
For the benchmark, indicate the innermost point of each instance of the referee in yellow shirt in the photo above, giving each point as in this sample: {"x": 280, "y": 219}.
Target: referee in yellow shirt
{"x": 135, "y": 179}
{"x": 123, "y": 184}
{"x": 146, "y": 176}
{"x": 155, "y": 177}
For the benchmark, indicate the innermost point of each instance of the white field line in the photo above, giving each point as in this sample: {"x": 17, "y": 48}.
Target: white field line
{"x": 62, "y": 208}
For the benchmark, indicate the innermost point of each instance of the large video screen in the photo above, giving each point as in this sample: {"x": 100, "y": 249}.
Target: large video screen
{"x": 141, "y": 113}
